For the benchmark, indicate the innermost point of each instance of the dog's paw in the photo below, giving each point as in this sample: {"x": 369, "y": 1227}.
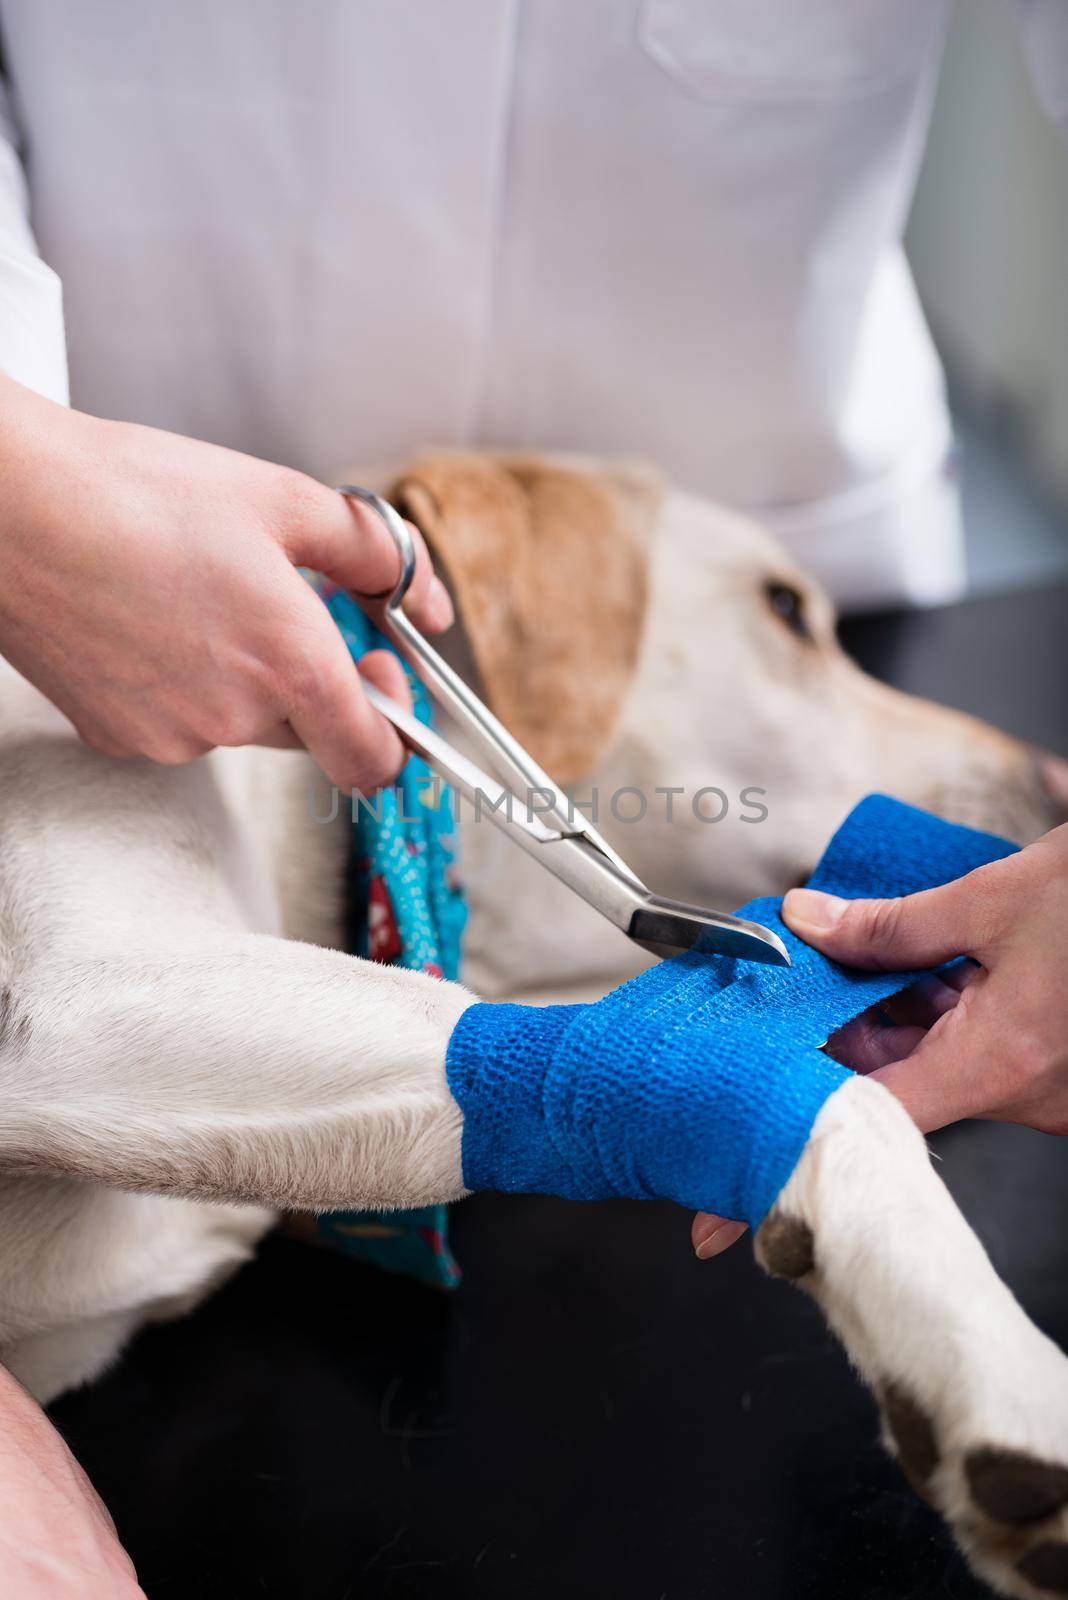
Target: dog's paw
{"x": 974, "y": 1398}
{"x": 979, "y": 1425}
{"x": 1008, "y": 1507}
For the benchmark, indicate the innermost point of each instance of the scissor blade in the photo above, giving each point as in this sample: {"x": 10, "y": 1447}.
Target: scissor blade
{"x": 662, "y": 926}
{"x": 669, "y": 926}
{"x": 488, "y": 797}
{"x": 492, "y": 739}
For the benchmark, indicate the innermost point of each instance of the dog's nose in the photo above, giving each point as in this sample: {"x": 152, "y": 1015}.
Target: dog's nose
{"x": 1054, "y": 774}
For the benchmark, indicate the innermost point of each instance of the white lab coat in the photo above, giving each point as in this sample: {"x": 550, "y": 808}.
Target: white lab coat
{"x": 337, "y": 231}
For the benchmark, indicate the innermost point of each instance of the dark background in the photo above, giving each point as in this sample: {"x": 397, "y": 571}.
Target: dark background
{"x": 594, "y": 1412}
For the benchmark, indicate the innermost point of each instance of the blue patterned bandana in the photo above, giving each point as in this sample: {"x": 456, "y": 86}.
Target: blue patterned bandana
{"x": 405, "y": 907}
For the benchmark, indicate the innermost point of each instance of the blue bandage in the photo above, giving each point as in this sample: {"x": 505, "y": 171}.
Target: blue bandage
{"x": 698, "y": 1081}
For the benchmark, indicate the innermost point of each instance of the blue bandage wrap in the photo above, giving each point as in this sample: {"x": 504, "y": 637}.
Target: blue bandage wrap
{"x": 698, "y": 1081}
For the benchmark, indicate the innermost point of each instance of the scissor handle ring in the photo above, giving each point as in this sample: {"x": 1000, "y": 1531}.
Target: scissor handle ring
{"x": 403, "y": 542}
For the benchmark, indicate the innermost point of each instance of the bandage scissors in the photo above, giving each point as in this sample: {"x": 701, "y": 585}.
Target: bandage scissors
{"x": 549, "y": 827}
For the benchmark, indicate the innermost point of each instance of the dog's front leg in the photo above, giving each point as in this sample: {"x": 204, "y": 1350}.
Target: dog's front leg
{"x": 251, "y": 1069}
{"x": 974, "y": 1399}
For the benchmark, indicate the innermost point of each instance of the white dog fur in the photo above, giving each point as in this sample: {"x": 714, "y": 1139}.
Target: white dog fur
{"x": 184, "y": 1051}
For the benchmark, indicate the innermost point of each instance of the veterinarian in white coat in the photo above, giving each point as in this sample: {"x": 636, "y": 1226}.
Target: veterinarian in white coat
{"x": 663, "y": 227}
{"x": 669, "y": 228}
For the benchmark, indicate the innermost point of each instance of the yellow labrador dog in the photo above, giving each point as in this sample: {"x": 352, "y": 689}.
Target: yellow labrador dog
{"x": 185, "y": 1050}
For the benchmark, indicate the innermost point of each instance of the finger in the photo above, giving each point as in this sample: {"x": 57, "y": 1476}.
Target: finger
{"x": 947, "y": 1077}
{"x": 711, "y": 1235}
{"x": 921, "y": 1004}
{"x": 103, "y": 742}
{"x": 330, "y": 714}
{"x": 869, "y": 1042}
{"x": 380, "y": 667}
{"x": 961, "y": 975}
{"x": 918, "y": 930}
{"x": 384, "y": 670}
{"x": 111, "y": 738}
{"x": 167, "y": 744}
{"x": 281, "y": 736}
{"x": 348, "y": 542}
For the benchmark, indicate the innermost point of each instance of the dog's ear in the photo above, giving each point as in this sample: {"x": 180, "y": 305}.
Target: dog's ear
{"x": 549, "y": 570}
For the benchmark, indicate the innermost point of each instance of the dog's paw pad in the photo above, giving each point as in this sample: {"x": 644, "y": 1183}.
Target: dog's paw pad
{"x": 785, "y": 1245}
{"x": 913, "y": 1435}
{"x": 1014, "y": 1487}
{"x": 1046, "y": 1566}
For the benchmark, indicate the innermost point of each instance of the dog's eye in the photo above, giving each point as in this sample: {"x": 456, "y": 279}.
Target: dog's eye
{"x": 788, "y": 604}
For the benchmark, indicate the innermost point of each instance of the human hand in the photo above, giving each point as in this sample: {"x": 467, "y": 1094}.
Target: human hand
{"x": 57, "y": 1541}
{"x": 986, "y": 1039}
{"x": 151, "y": 592}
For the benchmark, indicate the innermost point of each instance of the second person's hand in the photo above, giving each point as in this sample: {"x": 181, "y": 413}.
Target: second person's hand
{"x": 987, "y": 1038}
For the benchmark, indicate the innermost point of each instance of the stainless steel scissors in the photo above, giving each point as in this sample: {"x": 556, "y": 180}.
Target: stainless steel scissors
{"x": 550, "y": 830}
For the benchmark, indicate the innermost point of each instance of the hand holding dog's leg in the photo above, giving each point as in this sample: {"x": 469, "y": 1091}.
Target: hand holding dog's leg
{"x": 989, "y": 1041}
{"x": 995, "y": 1046}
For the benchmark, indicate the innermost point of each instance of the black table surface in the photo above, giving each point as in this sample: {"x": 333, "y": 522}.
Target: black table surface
{"x": 594, "y": 1412}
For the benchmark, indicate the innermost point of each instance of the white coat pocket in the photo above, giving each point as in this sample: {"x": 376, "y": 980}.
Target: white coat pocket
{"x": 788, "y": 49}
